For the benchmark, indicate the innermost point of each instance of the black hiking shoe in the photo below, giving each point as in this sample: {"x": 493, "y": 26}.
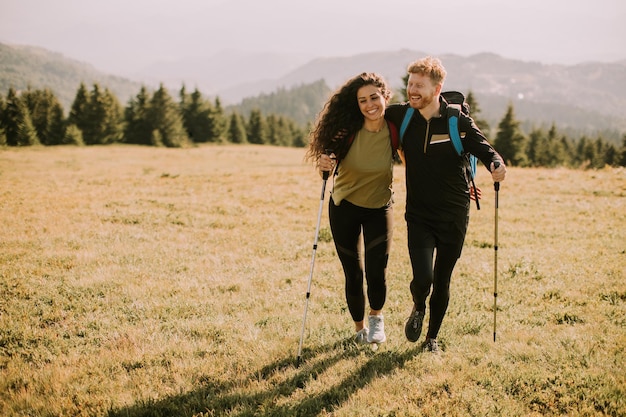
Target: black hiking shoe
{"x": 413, "y": 326}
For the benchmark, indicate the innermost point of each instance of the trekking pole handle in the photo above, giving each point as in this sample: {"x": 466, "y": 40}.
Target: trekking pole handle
{"x": 496, "y": 185}
{"x": 325, "y": 174}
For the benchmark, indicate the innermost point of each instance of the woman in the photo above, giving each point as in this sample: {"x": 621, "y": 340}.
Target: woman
{"x": 352, "y": 137}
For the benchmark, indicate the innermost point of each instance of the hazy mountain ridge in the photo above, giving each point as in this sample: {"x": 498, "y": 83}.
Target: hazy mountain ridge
{"x": 212, "y": 74}
{"x": 23, "y": 66}
{"x": 588, "y": 96}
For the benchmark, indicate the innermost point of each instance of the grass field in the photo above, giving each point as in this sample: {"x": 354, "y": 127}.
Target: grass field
{"x": 139, "y": 281}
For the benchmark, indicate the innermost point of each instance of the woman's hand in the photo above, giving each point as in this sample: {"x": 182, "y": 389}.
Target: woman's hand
{"x": 326, "y": 163}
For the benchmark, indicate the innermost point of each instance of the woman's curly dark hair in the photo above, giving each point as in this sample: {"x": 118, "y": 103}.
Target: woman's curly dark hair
{"x": 341, "y": 117}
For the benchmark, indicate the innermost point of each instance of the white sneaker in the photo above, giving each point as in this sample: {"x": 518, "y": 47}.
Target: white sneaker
{"x": 361, "y": 336}
{"x": 377, "y": 329}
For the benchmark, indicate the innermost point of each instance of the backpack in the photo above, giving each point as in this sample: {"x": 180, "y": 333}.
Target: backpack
{"x": 456, "y": 106}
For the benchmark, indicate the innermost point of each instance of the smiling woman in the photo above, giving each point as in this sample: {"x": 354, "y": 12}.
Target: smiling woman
{"x": 351, "y": 129}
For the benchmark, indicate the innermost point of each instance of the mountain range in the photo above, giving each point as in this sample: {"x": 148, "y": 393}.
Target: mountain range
{"x": 587, "y": 97}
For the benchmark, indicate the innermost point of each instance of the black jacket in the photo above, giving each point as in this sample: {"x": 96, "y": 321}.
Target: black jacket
{"x": 436, "y": 184}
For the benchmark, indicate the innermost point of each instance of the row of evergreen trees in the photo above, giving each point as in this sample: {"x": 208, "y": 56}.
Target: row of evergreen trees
{"x": 96, "y": 117}
{"x": 543, "y": 148}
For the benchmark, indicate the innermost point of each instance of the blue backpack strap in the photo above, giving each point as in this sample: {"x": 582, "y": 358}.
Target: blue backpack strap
{"x": 454, "y": 114}
{"x": 405, "y": 122}
{"x": 454, "y": 111}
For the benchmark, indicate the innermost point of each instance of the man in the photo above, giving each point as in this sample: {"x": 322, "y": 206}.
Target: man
{"x": 437, "y": 188}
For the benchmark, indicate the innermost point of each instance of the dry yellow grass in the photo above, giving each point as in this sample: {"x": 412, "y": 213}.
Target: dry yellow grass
{"x": 140, "y": 281}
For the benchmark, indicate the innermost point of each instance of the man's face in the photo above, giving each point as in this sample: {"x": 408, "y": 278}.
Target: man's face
{"x": 420, "y": 90}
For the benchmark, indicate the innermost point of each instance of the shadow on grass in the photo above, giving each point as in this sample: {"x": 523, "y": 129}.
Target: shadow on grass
{"x": 233, "y": 398}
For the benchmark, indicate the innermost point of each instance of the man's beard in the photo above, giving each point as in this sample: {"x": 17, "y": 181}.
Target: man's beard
{"x": 425, "y": 101}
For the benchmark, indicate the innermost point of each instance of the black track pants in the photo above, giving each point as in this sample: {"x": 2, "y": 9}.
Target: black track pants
{"x": 347, "y": 222}
{"x": 445, "y": 241}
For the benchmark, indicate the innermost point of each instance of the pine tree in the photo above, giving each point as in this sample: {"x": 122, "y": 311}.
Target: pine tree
{"x": 27, "y": 134}
{"x": 569, "y": 151}
{"x": 73, "y": 136}
{"x": 113, "y": 119}
{"x": 536, "y": 151}
{"x": 157, "y": 138}
{"x": 611, "y": 155}
{"x": 236, "y": 129}
{"x": 557, "y": 153}
{"x": 78, "y": 112}
{"x": 271, "y": 122}
{"x": 94, "y": 117}
{"x": 301, "y": 138}
{"x": 598, "y": 162}
{"x": 283, "y": 132}
{"x": 47, "y": 115}
{"x": 219, "y": 122}
{"x": 166, "y": 121}
{"x": 256, "y": 129}
{"x": 622, "y": 158}
{"x": 103, "y": 118}
{"x": 585, "y": 152}
{"x": 18, "y": 126}
{"x": 475, "y": 112}
{"x": 196, "y": 116}
{"x": 3, "y": 136}
{"x": 182, "y": 97}
{"x": 136, "y": 116}
{"x": 510, "y": 140}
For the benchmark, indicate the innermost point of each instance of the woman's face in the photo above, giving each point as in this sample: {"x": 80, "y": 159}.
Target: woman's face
{"x": 371, "y": 102}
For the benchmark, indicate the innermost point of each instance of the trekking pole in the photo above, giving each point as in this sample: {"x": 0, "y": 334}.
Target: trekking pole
{"x": 496, "y": 187}
{"x": 308, "y": 290}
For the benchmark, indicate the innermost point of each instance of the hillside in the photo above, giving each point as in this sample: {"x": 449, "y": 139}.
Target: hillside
{"x": 28, "y": 66}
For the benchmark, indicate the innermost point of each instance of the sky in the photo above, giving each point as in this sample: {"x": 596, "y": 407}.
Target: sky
{"x": 124, "y": 36}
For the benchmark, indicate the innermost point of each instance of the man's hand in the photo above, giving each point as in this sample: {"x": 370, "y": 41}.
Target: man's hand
{"x": 498, "y": 174}
{"x": 475, "y": 192}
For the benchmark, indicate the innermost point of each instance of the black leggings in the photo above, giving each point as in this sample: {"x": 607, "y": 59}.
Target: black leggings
{"x": 347, "y": 221}
{"x": 423, "y": 239}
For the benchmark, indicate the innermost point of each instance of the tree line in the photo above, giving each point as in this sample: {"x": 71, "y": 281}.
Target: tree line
{"x": 96, "y": 117}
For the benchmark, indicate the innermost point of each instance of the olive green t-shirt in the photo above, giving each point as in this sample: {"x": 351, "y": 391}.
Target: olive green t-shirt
{"x": 366, "y": 173}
